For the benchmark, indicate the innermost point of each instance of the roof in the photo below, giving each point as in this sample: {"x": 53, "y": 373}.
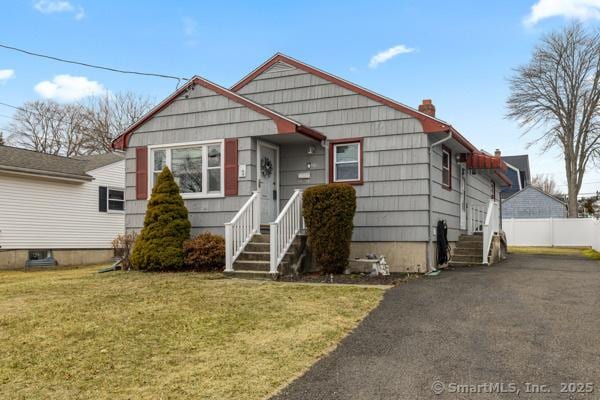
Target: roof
{"x": 521, "y": 162}
{"x": 531, "y": 187}
{"x": 100, "y": 160}
{"x": 430, "y": 124}
{"x": 284, "y": 124}
{"x": 14, "y": 159}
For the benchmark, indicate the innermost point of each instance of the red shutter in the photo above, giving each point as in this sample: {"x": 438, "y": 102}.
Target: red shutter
{"x": 231, "y": 167}
{"x": 141, "y": 173}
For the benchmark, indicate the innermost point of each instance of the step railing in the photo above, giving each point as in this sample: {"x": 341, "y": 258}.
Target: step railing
{"x": 288, "y": 224}
{"x": 240, "y": 229}
{"x": 476, "y": 217}
{"x": 491, "y": 227}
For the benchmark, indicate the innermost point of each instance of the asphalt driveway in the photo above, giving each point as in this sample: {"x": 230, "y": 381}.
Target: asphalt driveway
{"x": 486, "y": 330}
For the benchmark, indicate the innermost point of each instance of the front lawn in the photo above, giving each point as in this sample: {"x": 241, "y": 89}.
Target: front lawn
{"x": 78, "y": 334}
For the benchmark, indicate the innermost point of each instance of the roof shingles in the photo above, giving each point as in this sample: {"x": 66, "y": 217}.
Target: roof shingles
{"x": 13, "y": 159}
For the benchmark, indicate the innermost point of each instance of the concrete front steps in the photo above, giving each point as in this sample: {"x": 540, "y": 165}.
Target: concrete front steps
{"x": 468, "y": 251}
{"x": 254, "y": 261}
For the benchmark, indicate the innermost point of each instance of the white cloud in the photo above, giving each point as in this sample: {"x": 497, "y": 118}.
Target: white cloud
{"x": 190, "y": 31}
{"x": 69, "y": 88}
{"x": 59, "y": 6}
{"x": 576, "y": 9}
{"x": 80, "y": 14}
{"x": 6, "y": 74}
{"x": 388, "y": 54}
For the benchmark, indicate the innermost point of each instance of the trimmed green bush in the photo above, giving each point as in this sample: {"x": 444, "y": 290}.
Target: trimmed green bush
{"x": 328, "y": 214}
{"x": 159, "y": 247}
{"x": 205, "y": 252}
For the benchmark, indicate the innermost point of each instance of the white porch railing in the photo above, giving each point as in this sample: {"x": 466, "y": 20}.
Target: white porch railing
{"x": 285, "y": 228}
{"x": 476, "y": 217}
{"x": 240, "y": 229}
{"x": 491, "y": 226}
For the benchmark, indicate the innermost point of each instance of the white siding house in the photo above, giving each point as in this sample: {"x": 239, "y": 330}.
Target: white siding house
{"x": 58, "y": 216}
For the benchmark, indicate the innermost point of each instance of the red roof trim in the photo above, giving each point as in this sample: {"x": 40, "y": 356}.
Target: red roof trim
{"x": 481, "y": 160}
{"x": 284, "y": 124}
{"x": 430, "y": 124}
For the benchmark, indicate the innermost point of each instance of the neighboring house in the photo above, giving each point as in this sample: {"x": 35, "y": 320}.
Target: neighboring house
{"x": 288, "y": 126}
{"x": 518, "y": 172}
{"x": 57, "y": 209}
{"x": 532, "y": 202}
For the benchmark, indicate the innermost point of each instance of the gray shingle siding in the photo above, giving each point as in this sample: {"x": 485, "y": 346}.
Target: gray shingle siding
{"x": 392, "y": 203}
{"x": 531, "y": 203}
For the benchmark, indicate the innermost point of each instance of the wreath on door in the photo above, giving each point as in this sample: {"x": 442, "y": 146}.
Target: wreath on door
{"x": 266, "y": 167}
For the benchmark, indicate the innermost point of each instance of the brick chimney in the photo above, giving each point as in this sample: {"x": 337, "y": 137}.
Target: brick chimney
{"x": 427, "y": 107}
{"x": 497, "y": 153}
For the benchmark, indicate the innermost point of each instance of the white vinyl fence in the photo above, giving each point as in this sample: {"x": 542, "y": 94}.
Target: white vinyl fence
{"x": 552, "y": 232}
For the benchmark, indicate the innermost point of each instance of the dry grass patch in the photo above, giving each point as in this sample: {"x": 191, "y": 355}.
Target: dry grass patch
{"x": 78, "y": 334}
{"x": 558, "y": 251}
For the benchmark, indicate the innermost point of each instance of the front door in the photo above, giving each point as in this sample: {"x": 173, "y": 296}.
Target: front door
{"x": 463, "y": 198}
{"x": 267, "y": 165}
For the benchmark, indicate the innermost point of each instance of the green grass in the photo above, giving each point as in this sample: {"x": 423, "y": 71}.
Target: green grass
{"x": 561, "y": 251}
{"x": 127, "y": 335}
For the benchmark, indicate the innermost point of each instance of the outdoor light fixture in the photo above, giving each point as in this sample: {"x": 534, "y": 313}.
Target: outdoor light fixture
{"x": 308, "y": 165}
{"x": 311, "y": 149}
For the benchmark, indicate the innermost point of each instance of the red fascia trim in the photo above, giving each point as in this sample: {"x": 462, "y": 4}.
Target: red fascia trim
{"x": 481, "y": 160}
{"x": 449, "y": 186}
{"x": 332, "y": 144}
{"x": 283, "y": 124}
{"x": 430, "y": 124}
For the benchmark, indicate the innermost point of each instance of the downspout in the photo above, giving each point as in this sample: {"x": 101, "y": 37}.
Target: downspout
{"x": 430, "y": 266}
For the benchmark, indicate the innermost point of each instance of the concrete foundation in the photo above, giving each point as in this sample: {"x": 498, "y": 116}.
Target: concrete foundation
{"x": 13, "y": 259}
{"x": 400, "y": 256}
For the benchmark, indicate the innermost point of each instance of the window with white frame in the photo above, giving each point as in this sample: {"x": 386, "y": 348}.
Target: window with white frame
{"x": 197, "y": 168}
{"x": 346, "y": 162}
{"x": 111, "y": 199}
{"x": 446, "y": 169}
{"x": 116, "y": 199}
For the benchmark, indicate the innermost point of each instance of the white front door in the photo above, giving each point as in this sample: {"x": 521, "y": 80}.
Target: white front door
{"x": 463, "y": 197}
{"x": 267, "y": 173}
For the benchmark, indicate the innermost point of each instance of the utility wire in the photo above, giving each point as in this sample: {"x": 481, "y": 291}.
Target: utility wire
{"x": 122, "y": 71}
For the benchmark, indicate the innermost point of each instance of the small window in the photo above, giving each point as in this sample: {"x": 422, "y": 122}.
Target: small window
{"x": 493, "y": 190}
{"x": 347, "y": 162}
{"x": 111, "y": 199}
{"x": 38, "y": 255}
{"x": 446, "y": 168}
{"x": 197, "y": 169}
{"x": 116, "y": 200}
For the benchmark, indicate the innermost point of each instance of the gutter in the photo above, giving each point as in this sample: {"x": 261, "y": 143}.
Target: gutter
{"x": 430, "y": 266}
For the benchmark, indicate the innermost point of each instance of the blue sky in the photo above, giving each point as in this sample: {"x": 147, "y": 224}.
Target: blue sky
{"x": 457, "y": 53}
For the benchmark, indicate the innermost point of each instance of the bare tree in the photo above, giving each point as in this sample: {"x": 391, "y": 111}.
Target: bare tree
{"x": 546, "y": 184}
{"x": 111, "y": 114}
{"x": 50, "y": 127}
{"x": 2, "y": 139}
{"x": 76, "y": 129}
{"x": 559, "y": 92}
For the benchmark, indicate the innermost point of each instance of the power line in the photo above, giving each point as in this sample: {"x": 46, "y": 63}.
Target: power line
{"x": 84, "y": 64}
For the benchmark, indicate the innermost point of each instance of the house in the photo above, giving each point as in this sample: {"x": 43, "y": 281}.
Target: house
{"x": 241, "y": 156}
{"x": 518, "y": 172}
{"x": 532, "y": 202}
{"x": 58, "y": 210}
